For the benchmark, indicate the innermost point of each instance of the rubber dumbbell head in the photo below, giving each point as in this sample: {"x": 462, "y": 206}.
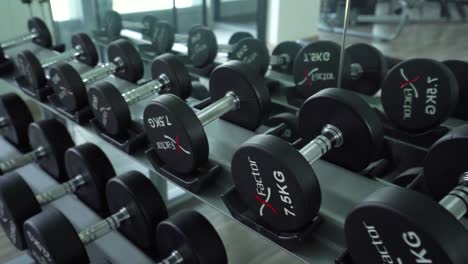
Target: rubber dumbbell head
{"x": 112, "y": 24}
{"x": 124, "y": 62}
{"x": 316, "y": 67}
{"x": 15, "y": 118}
{"x": 419, "y": 94}
{"x": 176, "y": 132}
{"x": 49, "y": 140}
{"x": 238, "y": 36}
{"x": 284, "y": 55}
{"x": 459, "y": 69}
{"x": 421, "y": 230}
{"x": 179, "y": 242}
{"x": 33, "y": 69}
{"x": 111, "y": 107}
{"x": 137, "y": 209}
{"x": 88, "y": 169}
{"x": 366, "y": 69}
{"x": 345, "y": 130}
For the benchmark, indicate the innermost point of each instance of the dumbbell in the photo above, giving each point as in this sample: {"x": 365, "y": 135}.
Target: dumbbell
{"x": 111, "y": 107}
{"x": 113, "y": 24}
{"x": 38, "y": 33}
{"x": 15, "y": 118}
{"x": 136, "y": 207}
{"x": 419, "y": 94}
{"x": 317, "y": 64}
{"x": 459, "y": 69}
{"x": 421, "y": 230}
{"x": 176, "y": 133}
{"x": 33, "y": 68}
{"x": 277, "y": 181}
{"x": 49, "y": 140}
{"x": 88, "y": 170}
{"x": 203, "y": 48}
{"x": 124, "y": 62}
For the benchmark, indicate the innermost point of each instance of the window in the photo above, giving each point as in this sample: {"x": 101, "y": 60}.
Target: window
{"x": 136, "y": 6}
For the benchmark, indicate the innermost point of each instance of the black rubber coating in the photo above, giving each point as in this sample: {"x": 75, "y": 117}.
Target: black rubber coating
{"x": 404, "y": 226}
{"x": 51, "y": 238}
{"x": 17, "y": 203}
{"x": 139, "y": 196}
{"x": 132, "y": 69}
{"x": 163, "y": 37}
{"x": 290, "y": 49}
{"x": 252, "y": 52}
{"x": 179, "y": 77}
{"x": 18, "y": 116}
{"x": 54, "y": 137}
{"x": 202, "y": 46}
{"x": 238, "y": 36}
{"x": 112, "y": 24}
{"x": 68, "y": 86}
{"x": 262, "y": 167}
{"x": 37, "y": 25}
{"x": 90, "y": 55}
{"x": 361, "y": 128}
{"x": 459, "y": 69}
{"x": 89, "y": 161}
{"x": 193, "y": 236}
{"x": 30, "y": 67}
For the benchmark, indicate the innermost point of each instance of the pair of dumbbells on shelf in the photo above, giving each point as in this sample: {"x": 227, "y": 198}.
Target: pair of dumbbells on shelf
{"x": 113, "y": 24}
{"x": 38, "y": 34}
{"x": 203, "y": 48}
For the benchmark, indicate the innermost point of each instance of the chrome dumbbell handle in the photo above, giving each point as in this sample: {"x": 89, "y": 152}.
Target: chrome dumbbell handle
{"x": 18, "y": 40}
{"x": 102, "y": 71}
{"x": 331, "y": 137}
{"x": 228, "y": 103}
{"x": 104, "y": 227}
{"x": 61, "y": 190}
{"x": 456, "y": 202}
{"x": 146, "y": 90}
{"x": 17, "y": 162}
{"x": 174, "y": 258}
{"x": 62, "y": 57}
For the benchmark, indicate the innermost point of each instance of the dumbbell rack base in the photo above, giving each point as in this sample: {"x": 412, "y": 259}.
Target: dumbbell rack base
{"x": 80, "y": 117}
{"x": 130, "y": 142}
{"x": 194, "y": 182}
{"x": 240, "y": 211}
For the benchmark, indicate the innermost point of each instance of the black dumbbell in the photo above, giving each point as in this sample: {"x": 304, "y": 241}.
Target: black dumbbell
{"x": 83, "y": 50}
{"x": 113, "y": 24}
{"x": 419, "y": 94}
{"x": 136, "y": 206}
{"x": 49, "y": 140}
{"x": 176, "y": 132}
{"x": 88, "y": 170}
{"x": 403, "y": 226}
{"x": 111, "y": 107}
{"x": 38, "y": 33}
{"x": 15, "y": 118}
{"x": 277, "y": 181}
{"x": 179, "y": 242}
{"x": 283, "y": 56}
{"x": 317, "y": 64}
{"x": 203, "y": 48}
{"x": 459, "y": 69}
{"x": 124, "y": 62}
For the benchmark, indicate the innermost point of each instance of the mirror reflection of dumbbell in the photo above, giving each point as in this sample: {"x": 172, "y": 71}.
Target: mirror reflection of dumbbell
{"x": 70, "y": 86}
{"x": 49, "y": 140}
{"x": 111, "y": 107}
{"x": 38, "y": 34}
{"x": 33, "y": 68}
{"x": 88, "y": 170}
{"x": 139, "y": 213}
{"x": 113, "y": 24}
{"x": 203, "y": 48}
{"x": 317, "y": 64}
{"x": 421, "y": 230}
{"x": 15, "y": 118}
{"x": 419, "y": 95}
{"x": 339, "y": 126}
{"x": 177, "y": 133}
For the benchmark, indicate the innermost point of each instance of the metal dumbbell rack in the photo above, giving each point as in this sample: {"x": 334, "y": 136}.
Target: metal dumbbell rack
{"x": 327, "y": 239}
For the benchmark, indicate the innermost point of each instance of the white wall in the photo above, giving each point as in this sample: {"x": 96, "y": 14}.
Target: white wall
{"x": 15, "y": 14}
{"x": 292, "y": 20}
